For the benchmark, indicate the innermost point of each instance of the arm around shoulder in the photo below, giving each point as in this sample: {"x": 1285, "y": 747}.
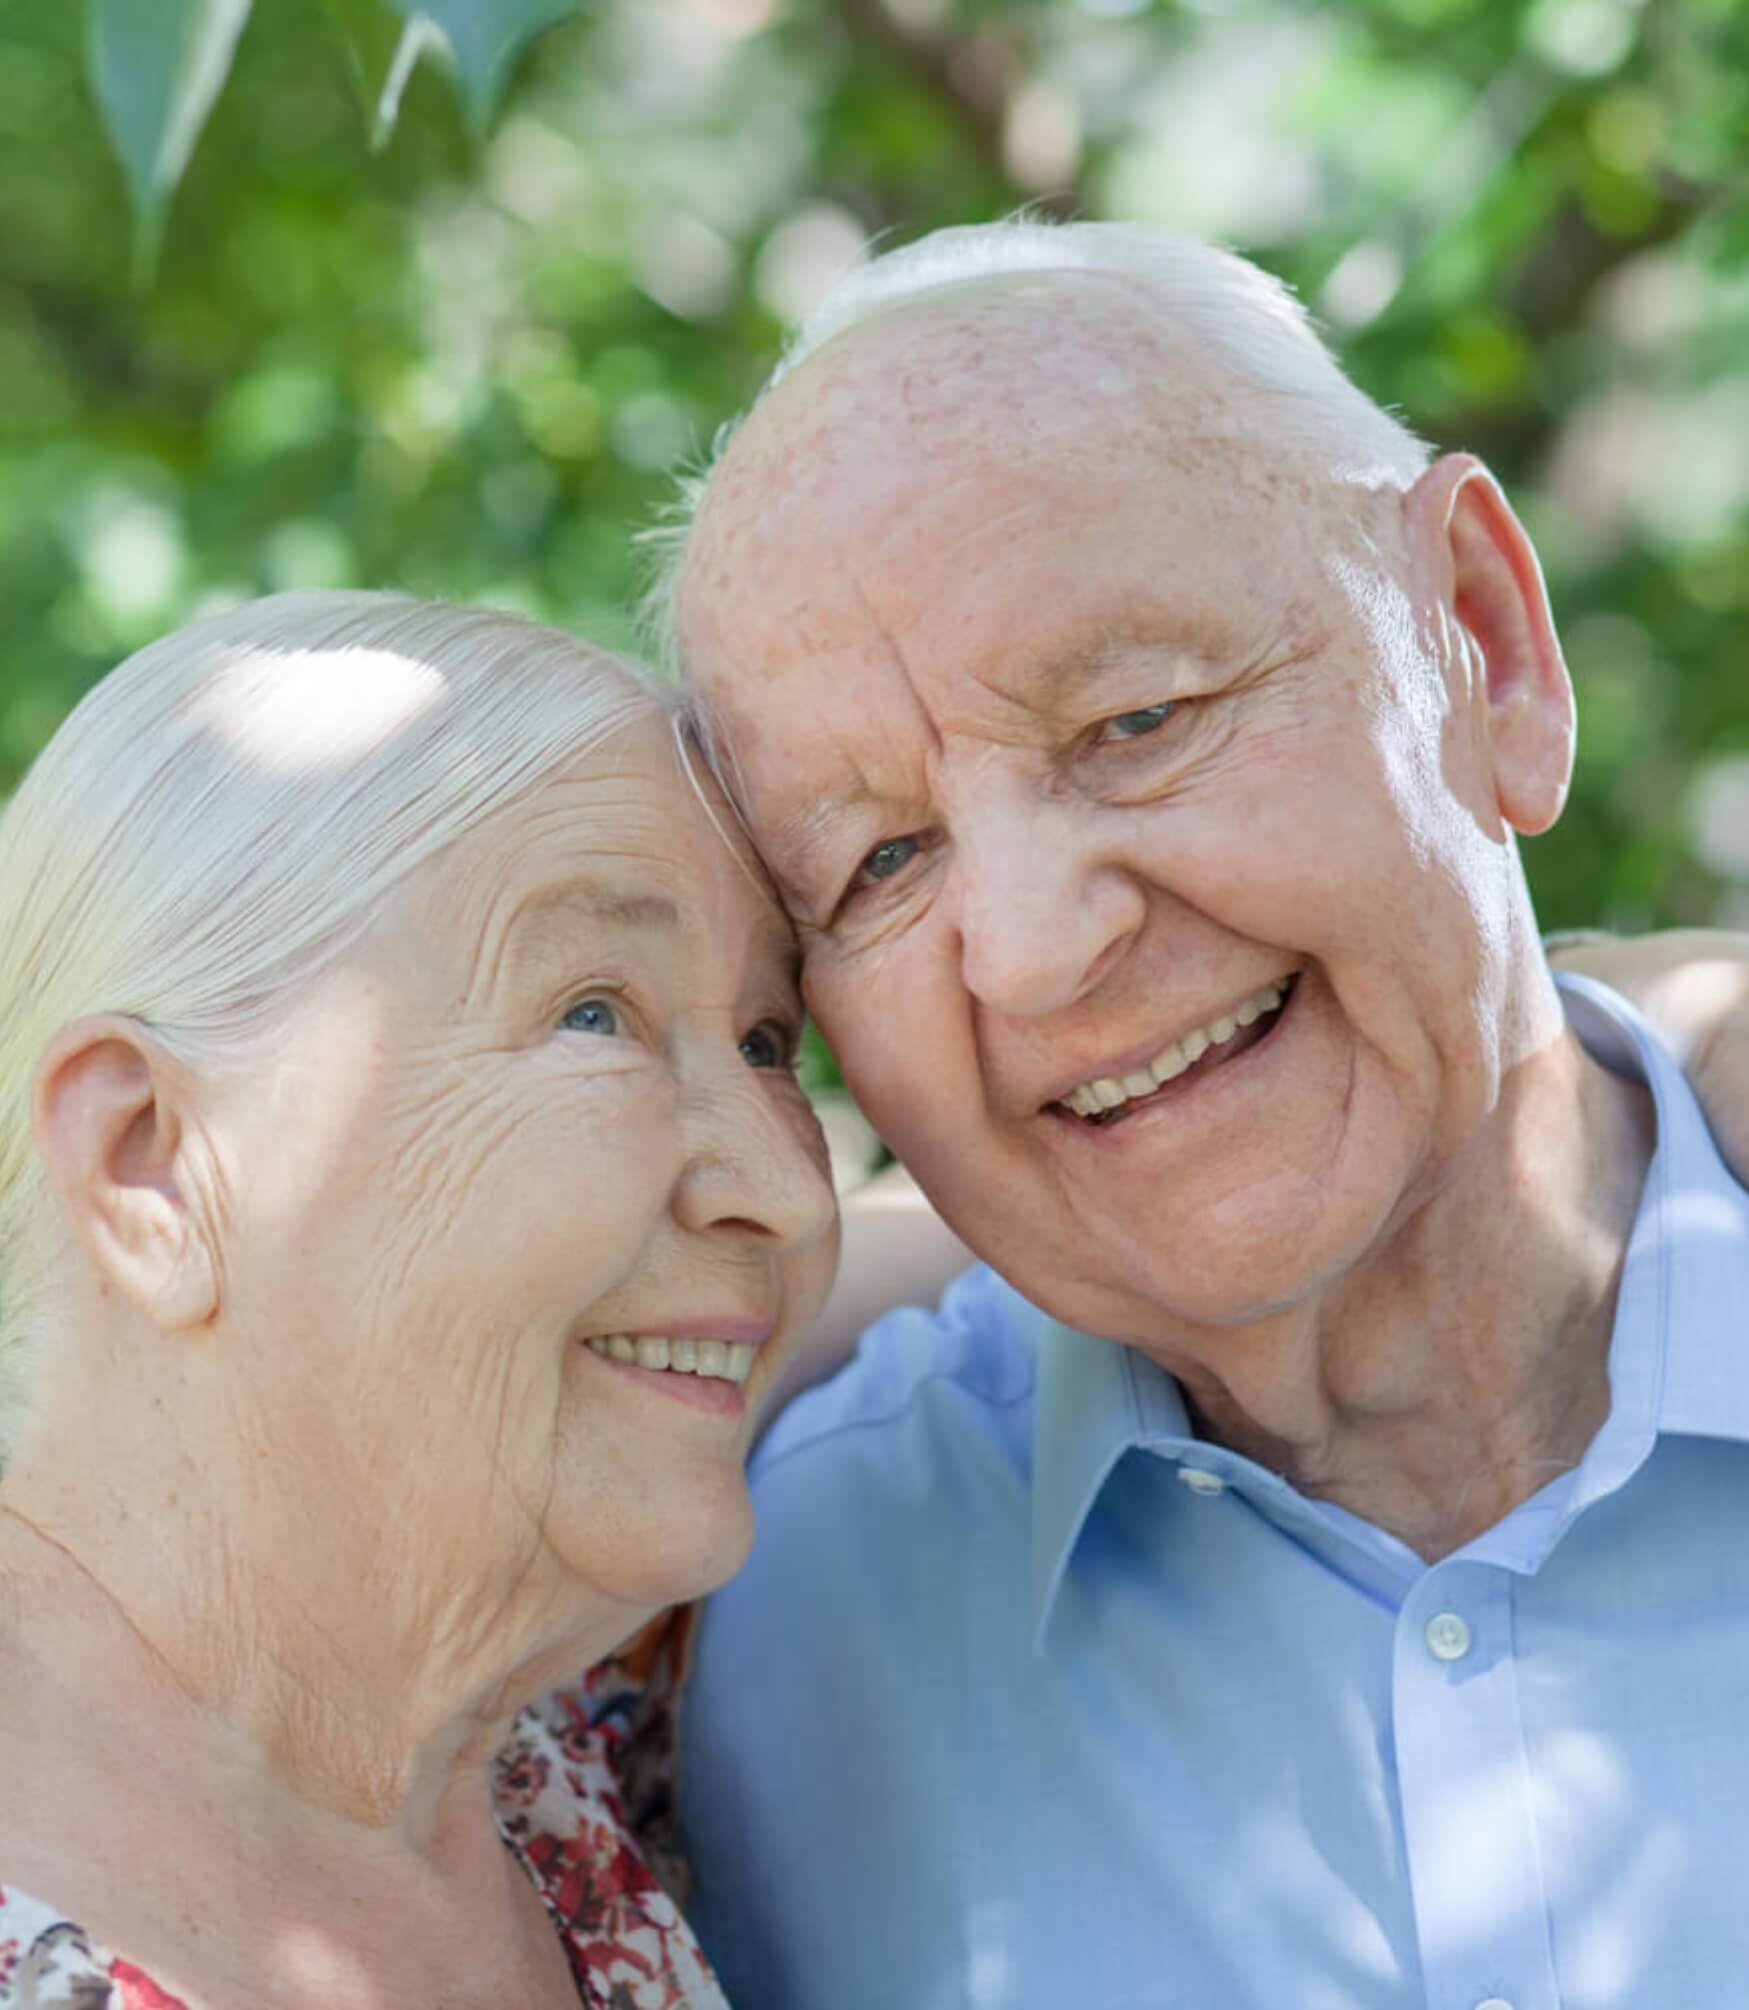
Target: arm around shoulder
{"x": 1693, "y": 984}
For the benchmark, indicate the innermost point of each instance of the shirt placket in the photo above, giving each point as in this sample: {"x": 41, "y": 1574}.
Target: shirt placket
{"x": 1475, "y": 1870}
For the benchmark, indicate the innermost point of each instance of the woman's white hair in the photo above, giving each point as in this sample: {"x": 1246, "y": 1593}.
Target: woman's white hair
{"x": 228, "y": 809}
{"x": 1222, "y": 304}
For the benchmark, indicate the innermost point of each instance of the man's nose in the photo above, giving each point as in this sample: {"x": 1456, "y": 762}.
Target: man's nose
{"x": 756, "y": 1163}
{"x": 1044, "y": 911}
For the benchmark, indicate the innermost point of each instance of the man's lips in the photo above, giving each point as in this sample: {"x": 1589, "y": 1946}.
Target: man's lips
{"x": 1103, "y": 1099}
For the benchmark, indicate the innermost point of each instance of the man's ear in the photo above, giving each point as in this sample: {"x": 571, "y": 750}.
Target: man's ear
{"x": 1486, "y": 570}
{"x": 108, "y": 1112}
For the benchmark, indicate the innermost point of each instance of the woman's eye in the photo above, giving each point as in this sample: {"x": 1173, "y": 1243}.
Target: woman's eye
{"x": 767, "y": 1046}
{"x": 592, "y": 1015}
{"x": 889, "y": 858}
{"x": 1136, "y": 725}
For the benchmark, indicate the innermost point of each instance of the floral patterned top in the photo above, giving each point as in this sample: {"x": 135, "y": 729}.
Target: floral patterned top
{"x": 584, "y": 1795}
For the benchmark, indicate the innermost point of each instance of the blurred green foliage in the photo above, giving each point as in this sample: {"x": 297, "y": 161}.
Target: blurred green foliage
{"x": 461, "y": 361}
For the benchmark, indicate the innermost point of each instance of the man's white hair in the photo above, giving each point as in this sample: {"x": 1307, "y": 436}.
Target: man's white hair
{"x": 227, "y": 810}
{"x": 1222, "y": 304}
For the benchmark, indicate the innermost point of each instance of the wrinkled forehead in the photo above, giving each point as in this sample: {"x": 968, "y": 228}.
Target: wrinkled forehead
{"x": 960, "y": 400}
{"x": 963, "y": 359}
{"x": 1002, "y": 367}
{"x": 635, "y": 835}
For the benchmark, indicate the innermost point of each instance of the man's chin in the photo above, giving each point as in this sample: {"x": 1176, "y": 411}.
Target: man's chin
{"x": 1184, "y": 1280}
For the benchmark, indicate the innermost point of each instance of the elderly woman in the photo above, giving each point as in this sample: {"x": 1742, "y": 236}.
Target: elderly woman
{"x": 406, "y": 1198}
{"x": 406, "y": 1207}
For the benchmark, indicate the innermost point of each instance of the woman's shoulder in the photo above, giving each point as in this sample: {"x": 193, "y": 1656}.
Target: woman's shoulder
{"x": 585, "y": 1795}
{"x": 49, "y": 1962}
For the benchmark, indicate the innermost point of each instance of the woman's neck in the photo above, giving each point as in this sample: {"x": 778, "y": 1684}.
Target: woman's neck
{"x": 220, "y": 1849}
{"x": 312, "y": 1681}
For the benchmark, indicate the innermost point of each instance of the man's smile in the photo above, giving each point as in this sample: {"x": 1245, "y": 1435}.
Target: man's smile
{"x": 1204, "y": 1048}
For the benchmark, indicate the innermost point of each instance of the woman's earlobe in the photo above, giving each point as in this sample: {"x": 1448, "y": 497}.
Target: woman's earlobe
{"x": 108, "y": 1116}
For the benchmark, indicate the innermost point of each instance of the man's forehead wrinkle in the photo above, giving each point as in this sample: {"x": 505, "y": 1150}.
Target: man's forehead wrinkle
{"x": 974, "y": 527}
{"x": 979, "y": 322}
{"x": 1070, "y": 672}
{"x": 1084, "y": 361}
{"x": 800, "y": 839}
{"x": 907, "y": 370}
{"x": 950, "y": 430}
{"x": 799, "y": 830}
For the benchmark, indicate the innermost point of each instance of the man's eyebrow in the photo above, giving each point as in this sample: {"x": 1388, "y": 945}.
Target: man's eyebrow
{"x": 1196, "y": 640}
{"x": 801, "y": 835}
{"x": 1067, "y": 672}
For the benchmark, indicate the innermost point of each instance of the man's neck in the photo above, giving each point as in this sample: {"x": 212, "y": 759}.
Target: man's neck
{"x": 1465, "y": 1364}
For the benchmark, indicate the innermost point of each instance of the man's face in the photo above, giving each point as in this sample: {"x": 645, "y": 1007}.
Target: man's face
{"x": 1079, "y": 724}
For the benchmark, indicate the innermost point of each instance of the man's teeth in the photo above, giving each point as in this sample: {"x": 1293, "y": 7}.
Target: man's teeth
{"x": 727, "y": 1360}
{"x": 1109, "y": 1092}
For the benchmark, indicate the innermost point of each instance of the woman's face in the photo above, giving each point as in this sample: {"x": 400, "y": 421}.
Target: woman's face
{"x": 548, "y": 1102}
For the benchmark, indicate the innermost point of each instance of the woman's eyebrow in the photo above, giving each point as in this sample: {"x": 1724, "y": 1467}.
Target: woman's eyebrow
{"x": 586, "y": 901}
{"x": 550, "y": 923}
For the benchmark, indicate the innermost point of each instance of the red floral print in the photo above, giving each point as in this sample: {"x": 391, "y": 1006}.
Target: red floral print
{"x": 586, "y": 1778}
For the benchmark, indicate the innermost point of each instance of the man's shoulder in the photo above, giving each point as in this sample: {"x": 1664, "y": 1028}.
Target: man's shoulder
{"x": 948, "y": 1368}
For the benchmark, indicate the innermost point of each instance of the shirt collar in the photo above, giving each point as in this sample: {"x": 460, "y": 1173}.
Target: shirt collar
{"x": 1677, "y": 1362}
{"x": 1687, "y": 1267}
{"x": 1097, "y": 1399}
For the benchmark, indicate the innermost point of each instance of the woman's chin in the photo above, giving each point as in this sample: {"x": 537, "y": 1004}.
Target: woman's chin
{"x": 668, "y": 1551}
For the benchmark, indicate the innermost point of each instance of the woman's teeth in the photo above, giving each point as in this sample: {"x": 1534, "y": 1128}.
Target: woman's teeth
{"x": 727, "y": 1360}
{"x": 1111, "y": 1092}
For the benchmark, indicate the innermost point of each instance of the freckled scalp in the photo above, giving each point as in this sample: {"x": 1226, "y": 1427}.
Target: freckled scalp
{"x": 1027, "y": 376}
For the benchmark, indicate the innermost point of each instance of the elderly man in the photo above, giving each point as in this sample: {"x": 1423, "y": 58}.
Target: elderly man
{"x": 1138, "y": 726}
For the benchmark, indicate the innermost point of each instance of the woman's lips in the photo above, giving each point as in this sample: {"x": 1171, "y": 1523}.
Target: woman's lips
{"x": 680, "y": 1354}
{"x": 717, "y": 1394}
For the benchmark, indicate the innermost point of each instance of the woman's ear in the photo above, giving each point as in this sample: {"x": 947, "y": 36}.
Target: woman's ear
{"x": 1486, "y": 570}
{"x": 109, "y": 1113}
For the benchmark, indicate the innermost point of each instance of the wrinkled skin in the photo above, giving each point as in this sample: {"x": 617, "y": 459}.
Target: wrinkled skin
{"x": 442, "y": 1187}
{"x": 1321, "y": 802}
{"x": 323, "y": 1478}
{"x": 944, "y": 572}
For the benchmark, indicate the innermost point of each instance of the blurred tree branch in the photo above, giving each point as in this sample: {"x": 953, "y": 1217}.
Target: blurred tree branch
{"x": 971, "y": 75}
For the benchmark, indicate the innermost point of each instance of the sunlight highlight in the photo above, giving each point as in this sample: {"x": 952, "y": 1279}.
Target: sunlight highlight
{"x": 306, "y": 710}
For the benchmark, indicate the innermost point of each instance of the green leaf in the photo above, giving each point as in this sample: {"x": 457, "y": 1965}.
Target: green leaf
{"x": 383, "y": 46}
{"x": 157, "y": 66}
{"x": 485, "y": 37}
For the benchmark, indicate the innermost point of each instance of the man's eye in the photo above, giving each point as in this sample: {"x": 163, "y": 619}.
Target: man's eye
{"x": 768, "y": 1046}
{"x": 889, "y": 858}
{"x": 1135, "y": 725}
{"x": 592, "y": 1015}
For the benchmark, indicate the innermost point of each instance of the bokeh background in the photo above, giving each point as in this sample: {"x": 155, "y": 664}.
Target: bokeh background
{"x": 463, "y": 359}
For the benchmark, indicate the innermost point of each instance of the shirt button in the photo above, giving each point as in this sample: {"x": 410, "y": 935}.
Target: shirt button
{"x": 1201, "y": 1482}
{"x": 1448, "y": 1639}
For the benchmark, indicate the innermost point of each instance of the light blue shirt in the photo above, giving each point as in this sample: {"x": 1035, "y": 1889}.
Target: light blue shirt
{"x": 1030, "y": 1698}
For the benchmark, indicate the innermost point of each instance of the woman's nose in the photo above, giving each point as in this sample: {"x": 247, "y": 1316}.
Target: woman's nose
{"x": 756, "y": 1162}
